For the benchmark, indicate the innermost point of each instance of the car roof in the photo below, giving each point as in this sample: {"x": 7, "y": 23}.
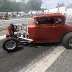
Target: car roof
{"x": 49, "y": 15}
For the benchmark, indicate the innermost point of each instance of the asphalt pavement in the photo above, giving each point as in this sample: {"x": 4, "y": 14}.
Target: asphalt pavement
{"x": 25, "y": 55}
{"x": 36, "y": 58}
{"x": 63, "y": 63}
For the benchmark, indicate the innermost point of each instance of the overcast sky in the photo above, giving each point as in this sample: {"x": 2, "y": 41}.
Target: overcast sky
{"x": 53, "y": 3}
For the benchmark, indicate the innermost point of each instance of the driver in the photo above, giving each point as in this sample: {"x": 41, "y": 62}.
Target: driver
{"x": 11, "y": 29}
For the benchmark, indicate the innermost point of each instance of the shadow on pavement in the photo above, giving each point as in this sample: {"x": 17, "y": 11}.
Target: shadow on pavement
{"x": 22, "y": 46}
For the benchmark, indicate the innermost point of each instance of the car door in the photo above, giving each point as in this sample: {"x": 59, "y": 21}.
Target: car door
{"x": 58, "y": 30}
{"x": 45, "y": 29}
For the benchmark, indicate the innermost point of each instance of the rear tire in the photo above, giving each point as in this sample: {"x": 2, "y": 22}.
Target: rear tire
{"x": 10, "y": 44}
{"x": 67, "y": 41}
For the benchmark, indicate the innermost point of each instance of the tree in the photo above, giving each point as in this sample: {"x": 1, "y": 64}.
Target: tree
{"x": 5, "y": 5}
{"x": 1, "y": 3}
{"x": 60, "y": 5}
{"x": 35, "y": 4}
{"x": 23, "y": 0}
{"x": 10, "y": 6}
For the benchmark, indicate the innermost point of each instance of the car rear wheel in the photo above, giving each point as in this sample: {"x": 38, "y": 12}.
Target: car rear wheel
{"x": 67, "y": 41}
{"x": 10, "y": 44}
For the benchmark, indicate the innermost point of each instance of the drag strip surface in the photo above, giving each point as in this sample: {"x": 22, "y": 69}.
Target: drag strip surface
{"x": 45, "y": 62}
{"x": 27, "y": 56}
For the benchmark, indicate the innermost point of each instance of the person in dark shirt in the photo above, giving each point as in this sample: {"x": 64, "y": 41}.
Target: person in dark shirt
{"x": 11, "y": 29}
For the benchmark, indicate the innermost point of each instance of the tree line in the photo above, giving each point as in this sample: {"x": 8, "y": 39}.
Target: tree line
{"x": 13, "y": 6}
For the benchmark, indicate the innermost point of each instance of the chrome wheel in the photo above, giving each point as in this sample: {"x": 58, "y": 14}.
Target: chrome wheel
{"x": 10, "y": 45}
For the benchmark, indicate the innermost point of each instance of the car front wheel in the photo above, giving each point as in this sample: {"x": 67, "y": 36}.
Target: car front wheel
{"x": 10, "y": 44}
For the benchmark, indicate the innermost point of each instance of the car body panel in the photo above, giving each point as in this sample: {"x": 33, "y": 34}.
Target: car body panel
{"x": 48, "y": 33}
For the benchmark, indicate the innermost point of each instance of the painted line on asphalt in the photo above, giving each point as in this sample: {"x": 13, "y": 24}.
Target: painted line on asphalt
{"x": 2, "y": 37}
{"x": 43, "y": 64}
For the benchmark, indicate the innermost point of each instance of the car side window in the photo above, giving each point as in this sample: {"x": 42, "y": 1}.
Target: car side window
{"x": 58, "y": 20}
{"x": 42, "y": 21}
{"x": 50, "y": 20}
{"x": 45, "y": 21}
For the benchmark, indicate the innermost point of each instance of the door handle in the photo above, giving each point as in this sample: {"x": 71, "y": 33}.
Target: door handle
{"x": 52, "y": 26}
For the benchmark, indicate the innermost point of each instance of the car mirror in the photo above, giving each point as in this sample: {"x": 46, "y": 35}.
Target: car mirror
{"x": 36, "y": 22}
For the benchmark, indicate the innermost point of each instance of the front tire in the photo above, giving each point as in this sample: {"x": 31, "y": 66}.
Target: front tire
{"x": 67, "y": 41}
{"x": 10, "y": 44}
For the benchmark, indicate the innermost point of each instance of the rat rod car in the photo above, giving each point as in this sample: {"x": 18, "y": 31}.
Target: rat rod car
{"x": 47, "y": 28}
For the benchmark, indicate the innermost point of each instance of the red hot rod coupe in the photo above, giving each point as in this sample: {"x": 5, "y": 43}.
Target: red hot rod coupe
{"x": 47, "y": 28}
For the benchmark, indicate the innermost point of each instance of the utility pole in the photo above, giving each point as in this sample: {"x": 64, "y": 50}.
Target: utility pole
{"x": 58, "y": 8}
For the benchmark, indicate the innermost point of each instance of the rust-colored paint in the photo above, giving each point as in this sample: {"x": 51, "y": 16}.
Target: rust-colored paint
{"x": 47, "y": 33}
